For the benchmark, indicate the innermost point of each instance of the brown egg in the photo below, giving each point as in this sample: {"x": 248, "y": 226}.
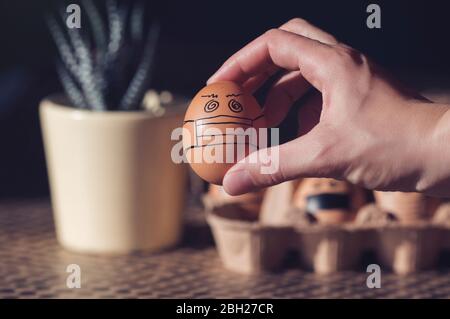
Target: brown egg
{"x": 329, "y": 200}
{"x": 249, "y": 205}
{"x": 216, "y": 134}
{"x": 407, "y": 207}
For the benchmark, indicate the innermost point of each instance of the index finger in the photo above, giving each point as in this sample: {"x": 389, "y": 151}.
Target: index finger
{"x": 283, "y": 49}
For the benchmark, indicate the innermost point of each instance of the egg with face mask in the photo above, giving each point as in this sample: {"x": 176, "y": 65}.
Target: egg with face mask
{"x": 330, "y": 201}
{"x": 220, "y": 128}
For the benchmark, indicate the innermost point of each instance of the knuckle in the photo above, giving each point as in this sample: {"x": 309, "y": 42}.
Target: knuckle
{"x": 346, "y": 60}
{"x": 350, "y": 56}
{"x": 259, "y": 180}
{"x": 297, "y": 21}
{"x": 271, "y": 33}
{"x": 308, "y": 30}
{"x": 281, "y": 174}
{"x": 276, "y": 177}
{"x": 330, "y": 39}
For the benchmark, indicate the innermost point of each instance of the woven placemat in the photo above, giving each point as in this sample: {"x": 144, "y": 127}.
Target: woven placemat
{"x": 33, "y": 265}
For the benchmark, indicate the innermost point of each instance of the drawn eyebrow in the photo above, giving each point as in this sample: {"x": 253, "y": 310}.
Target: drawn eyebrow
{"x": 233, "y": 95}
{"x": 213, "y": 95}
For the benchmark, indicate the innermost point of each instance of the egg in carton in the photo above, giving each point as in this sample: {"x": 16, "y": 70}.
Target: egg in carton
{"x": 241, "y": 207}
{"x": 415, "y": 237}
{"x": 331, "y": 242}
{"x": 291, "y": 219}
{"x": 249, "y": 244}
{"x": 330, "y": 201}
{"x": 408, "y": 208}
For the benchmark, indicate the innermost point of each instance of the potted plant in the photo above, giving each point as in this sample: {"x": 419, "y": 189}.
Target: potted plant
{"x": 114, "y": 187}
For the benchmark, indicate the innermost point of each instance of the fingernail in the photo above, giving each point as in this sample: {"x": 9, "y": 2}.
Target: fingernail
{"x": 238, "y": 182}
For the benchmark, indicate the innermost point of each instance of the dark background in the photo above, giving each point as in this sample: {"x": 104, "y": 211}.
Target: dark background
{"x": 413, "y": 43}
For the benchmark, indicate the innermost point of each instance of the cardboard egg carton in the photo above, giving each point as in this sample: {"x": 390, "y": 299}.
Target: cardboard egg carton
{"x": 251, "y": 244}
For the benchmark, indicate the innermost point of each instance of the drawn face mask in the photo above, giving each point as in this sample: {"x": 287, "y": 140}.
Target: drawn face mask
{"x": 327, "y": 201}
{"x": 223, "y": 114}
{"x": 220, "y": 118}
{"x": 225, "y": 129}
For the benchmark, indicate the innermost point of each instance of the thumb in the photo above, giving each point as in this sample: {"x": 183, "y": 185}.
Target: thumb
{"x": 302, "y": 157}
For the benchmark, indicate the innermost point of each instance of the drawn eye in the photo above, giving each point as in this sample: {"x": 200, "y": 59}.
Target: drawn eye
{"x": 235, "y": 106}
{"x": 333, "y": 184}
{"x": 211, "y": 106}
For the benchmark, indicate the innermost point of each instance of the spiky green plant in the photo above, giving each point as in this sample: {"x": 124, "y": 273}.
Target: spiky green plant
{"x": 107, "y": 63}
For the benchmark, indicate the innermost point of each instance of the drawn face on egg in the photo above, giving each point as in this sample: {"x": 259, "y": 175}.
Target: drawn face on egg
{"x": 218, "y": 129}
{"x": 330, "y": 200}
{"x": 407, "y": 207}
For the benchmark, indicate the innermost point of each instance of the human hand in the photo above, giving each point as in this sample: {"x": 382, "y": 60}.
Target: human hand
{"x": 363, "y": 127}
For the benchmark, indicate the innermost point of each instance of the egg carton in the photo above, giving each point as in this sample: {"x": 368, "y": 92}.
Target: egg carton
{"x": 260, "y": 245}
